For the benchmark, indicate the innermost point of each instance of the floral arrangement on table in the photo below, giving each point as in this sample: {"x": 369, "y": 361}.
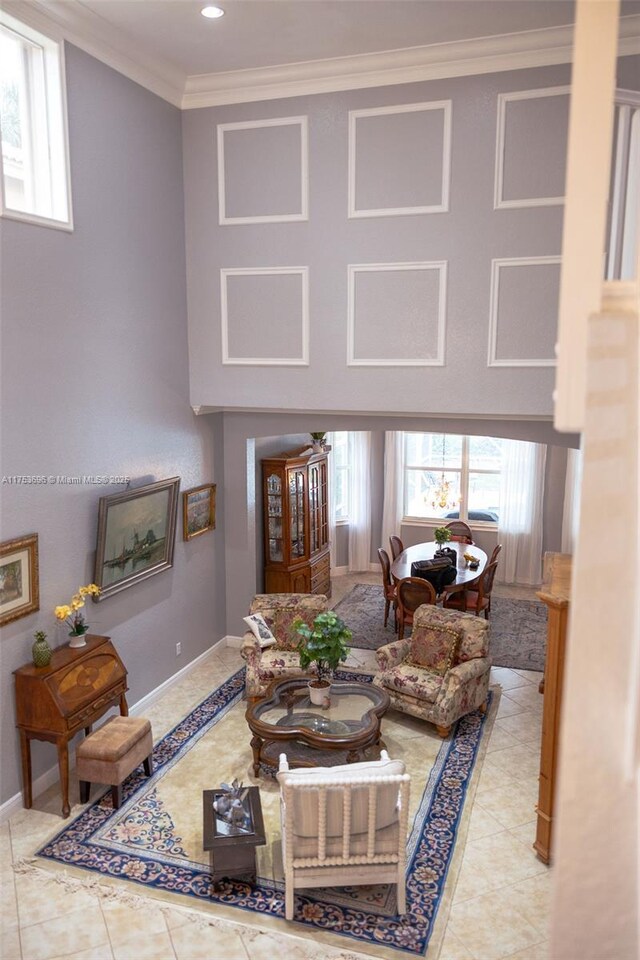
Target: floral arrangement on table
{"x": 73, "y": 614}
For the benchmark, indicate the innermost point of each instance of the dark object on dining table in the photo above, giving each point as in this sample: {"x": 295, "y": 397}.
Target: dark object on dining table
{"x": 439, "y": 572}
{"x": 446, "y": 553}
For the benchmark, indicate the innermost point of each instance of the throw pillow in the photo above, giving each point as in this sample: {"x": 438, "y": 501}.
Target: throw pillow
{"x": 260, "y": 629}
{"x": 287, "y": 638}
{"x": 434, "y": 648}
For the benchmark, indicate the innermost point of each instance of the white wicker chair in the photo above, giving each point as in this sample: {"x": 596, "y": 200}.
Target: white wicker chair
{"x": 344, "y": 825}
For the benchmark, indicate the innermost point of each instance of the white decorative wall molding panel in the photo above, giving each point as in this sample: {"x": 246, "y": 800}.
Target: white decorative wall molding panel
{"x": 397, "y": 314}
{"x": 265, "y": 316}
{"x": 523, "y": 311}
{"x": 385, "y": 178}
{"x": 530, "y": 168}
{"x": 263, "y": 171}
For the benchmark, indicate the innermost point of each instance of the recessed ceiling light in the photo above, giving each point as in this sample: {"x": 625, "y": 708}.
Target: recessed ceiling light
{"x": 212, "y": 13}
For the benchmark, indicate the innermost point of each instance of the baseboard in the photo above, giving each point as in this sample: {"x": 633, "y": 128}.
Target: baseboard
{"x": 51, "y": 776}
{"x": 343, "y": 571}
{"x": 233, "y": 641}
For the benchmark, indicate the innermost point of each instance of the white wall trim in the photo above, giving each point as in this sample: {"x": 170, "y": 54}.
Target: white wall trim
{"x": 303, "y": 123}
{"x": 496, "y": 266}
{"x": 499, "y": 203}
{"x": 355, "y": 115}
{"x": 438, "y": 360}
{"x": 302, "y": 361}
{"x": 52, "y": 775}
{"x": 514, "y": 51}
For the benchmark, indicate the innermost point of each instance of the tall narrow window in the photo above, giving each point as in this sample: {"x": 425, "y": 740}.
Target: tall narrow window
{"x": 340, "y": 454}
{"x": 35, "y": 178}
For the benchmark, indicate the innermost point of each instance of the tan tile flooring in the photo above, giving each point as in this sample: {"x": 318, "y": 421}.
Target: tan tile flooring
{"x": 499, "y": 909}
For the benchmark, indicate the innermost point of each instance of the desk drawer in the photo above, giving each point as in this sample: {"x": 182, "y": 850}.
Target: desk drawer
{"x": 93, "y": 711}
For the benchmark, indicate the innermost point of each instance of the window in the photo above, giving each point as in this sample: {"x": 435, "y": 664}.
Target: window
{"x": 35, "y": 180}
{"x": 448, "y": 476}
{"x": 340, "y": 458}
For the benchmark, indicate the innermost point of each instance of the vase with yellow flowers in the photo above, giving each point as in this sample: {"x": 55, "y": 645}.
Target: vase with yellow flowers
{"x": 72, "y": 614}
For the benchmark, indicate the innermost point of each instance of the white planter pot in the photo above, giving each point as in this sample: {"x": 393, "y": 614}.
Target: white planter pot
{"x": 319, "y": 695}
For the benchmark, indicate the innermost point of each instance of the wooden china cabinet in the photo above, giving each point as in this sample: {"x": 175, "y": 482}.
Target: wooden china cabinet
{"x": 296, "y": 522}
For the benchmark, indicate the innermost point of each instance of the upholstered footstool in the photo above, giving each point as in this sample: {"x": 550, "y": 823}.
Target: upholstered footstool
{"x": 110, "y": 754}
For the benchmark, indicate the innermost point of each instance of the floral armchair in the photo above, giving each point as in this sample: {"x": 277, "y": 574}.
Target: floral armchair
{"x": 442, "y": 671}
{"x": 281, "y": 660}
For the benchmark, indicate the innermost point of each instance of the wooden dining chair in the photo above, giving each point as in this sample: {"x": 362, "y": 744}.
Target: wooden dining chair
{"x": 460, "y": 531}
{"x": 397, "y": 546}
{"x": 390, "y": 593}
{"x": 476, "y": 600}
{"x": 412, "y": 593}
{"x": 496, "y": 553}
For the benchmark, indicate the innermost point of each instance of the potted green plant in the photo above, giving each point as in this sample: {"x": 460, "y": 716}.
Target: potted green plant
{"x": 318, "y": 441}
{"x": 442, "y": 535}
{"x": 324, "y": 644}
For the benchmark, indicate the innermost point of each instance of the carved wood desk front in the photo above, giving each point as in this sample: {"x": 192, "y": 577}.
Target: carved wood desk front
{"x": 53, "y": 703}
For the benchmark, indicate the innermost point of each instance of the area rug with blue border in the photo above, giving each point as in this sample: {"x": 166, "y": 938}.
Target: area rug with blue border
{"x": 153, "y": 842}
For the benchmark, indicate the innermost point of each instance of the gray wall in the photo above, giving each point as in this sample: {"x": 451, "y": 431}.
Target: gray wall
{"x": 467, "y": 237}
{"x": 95, "y": 381}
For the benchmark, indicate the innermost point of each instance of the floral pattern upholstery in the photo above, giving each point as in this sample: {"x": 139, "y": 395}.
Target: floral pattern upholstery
{"x": 279, "y": 610}
{"x": 421, "y": 692}
{"x": 435, "y": 647}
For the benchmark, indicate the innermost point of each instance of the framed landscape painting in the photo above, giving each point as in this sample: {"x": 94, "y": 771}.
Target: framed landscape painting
{"x": 19, "y": 586}
{"x": 136, "y": 535}
{"x": 198, "y": 510}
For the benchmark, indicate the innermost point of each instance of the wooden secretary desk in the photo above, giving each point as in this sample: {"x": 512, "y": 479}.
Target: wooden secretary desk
{"x": 53, "y": 703}
{"x": 296, "y": 522}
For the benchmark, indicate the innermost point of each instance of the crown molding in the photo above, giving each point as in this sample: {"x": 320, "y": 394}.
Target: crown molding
{"x": 95, "y": 35}
{"x": 72, "y": 21}
{"x": 514, "y": 51}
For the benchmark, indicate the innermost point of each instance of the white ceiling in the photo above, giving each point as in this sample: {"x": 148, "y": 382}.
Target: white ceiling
{"x": 260, "y": 33}
{"x": 262, "y": 49}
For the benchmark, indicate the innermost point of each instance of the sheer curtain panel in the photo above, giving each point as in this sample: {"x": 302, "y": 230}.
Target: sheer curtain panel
{"x": 359, "y": 501}
{"x": 392, "y": 508}
{"x": 520, "y": 524}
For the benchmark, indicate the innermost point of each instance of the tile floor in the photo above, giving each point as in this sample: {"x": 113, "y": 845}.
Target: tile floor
{"x": 499, "y": 908}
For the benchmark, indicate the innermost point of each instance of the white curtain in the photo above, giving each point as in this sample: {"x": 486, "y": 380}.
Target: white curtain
{"x": 332, "y": 507}
{"x": 359, "y": 501}
{"x": 520, "y": 524}
{"x": 392, "y": 508}
{"x": 571, "y": 509}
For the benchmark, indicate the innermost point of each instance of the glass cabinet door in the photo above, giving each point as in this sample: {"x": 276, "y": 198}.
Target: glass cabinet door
{"x": 296, "y": 510}
{"x": 318, "y": 526}
{"x": 274, "y": 518}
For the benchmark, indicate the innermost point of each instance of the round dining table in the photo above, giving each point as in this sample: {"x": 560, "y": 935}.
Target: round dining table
{"x": 401, "y": 566}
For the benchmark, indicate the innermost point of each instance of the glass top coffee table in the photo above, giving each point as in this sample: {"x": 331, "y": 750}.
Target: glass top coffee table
{"x": 285, "y": 721}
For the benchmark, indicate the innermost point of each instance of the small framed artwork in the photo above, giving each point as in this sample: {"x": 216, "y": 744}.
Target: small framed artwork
{"x": 19, "y": 586}
{"x": 136, "y": 535}
{"x": 198, "y": 510}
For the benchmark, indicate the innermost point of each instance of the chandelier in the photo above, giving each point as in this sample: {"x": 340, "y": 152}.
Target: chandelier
{"x": 442, "y": 496}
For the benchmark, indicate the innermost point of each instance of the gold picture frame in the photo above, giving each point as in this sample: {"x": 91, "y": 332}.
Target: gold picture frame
{"x": 136, "y": 535}
{"x": 198, "y": 510}
{"x": 19, "y": 578}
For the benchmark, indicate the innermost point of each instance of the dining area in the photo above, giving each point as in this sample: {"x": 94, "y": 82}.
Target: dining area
{"x": 451, "y": 571}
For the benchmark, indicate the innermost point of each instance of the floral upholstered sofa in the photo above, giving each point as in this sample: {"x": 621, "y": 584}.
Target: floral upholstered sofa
{"x": 279, "y": 610}
{"x": 442, "y": 670}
